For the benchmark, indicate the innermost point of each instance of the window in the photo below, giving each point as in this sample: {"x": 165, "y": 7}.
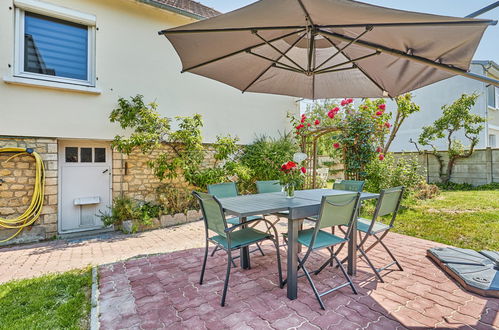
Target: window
{"x": 493, "y": 97}
{"x": 54, "y": 44}
{"x": 71, "y": 155}
{"x": 85, "y": 155}
{"x": 492, "y": 141}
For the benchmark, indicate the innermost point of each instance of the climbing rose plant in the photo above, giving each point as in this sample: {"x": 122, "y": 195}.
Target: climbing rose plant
{"x": 360, "y": 131}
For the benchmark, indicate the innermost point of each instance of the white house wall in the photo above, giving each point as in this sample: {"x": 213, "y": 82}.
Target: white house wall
{"x": 130, "y": 59}
{"x": 431, "y": 98}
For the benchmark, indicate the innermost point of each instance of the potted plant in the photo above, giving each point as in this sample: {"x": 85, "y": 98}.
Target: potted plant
{"x": 291, "y": 177}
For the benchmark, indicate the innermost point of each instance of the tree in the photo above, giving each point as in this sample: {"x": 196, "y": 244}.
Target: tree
{"x": 149, "y": 131}
{"x": 405, "y": 107}
{"x": 456, "y": 117}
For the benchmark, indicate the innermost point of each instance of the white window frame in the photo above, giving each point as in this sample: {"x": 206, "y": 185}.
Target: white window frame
{"x": 492, "y": 138}
{"x": 496, "y": 98}
{"x": 42, "y": 8}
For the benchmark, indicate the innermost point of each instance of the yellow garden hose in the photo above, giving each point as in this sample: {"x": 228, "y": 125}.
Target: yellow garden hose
{"x": 34, "y": 209}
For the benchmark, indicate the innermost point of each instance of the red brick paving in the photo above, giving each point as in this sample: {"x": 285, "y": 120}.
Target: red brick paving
{"x": 162, "y": 291}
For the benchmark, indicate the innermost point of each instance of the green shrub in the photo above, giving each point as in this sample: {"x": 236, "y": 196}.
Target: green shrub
{"x": 264, "y": 157}
{"x": 124, "y": 208}
{"x": 175, "y": 199}
{"x": 391, "y": 172}
{"x": 452, "y": 186}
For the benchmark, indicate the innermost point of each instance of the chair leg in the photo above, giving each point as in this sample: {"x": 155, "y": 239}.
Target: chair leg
{"x": 317, "y": 295}
{"x": 260, "y": 248}
{"x": 204, "y": 264}
{"x": 214, "y": 250}
{"x": 279, "y": 268}
{"x": 390, "y": 253}
{"x": 227, "y": 275}
{"x": 324, "y": 265}
{"x": 346, "y": 275}
{"x": 371, "y": 265}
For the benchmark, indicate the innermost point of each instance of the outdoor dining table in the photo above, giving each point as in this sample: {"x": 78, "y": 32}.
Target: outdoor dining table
{"x": 306, "y": 203}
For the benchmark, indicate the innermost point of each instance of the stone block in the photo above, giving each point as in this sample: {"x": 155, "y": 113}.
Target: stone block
{"x": 52, "y": 147}
{"x": 51, "y": 190}
{"x": 28, "y": 235}
{"x": 193, "y": 215}
{"x": 49, "y": 157}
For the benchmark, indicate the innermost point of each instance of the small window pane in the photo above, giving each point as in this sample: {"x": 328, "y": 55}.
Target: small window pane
{"x": 100, "y": 155}
{"x": 492, "y": 141}
{"x": 55, "y": 47}
{"x": 86, "y": 155}
{"x": 491, "y": 98}
{"x": 71, "y": 155}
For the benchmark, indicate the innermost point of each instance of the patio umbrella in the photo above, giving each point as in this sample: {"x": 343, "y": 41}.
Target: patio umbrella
{"x": 328, "y": 48}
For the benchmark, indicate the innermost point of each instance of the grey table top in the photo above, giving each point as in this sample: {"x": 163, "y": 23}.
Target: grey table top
{"x": 305, "y": 203}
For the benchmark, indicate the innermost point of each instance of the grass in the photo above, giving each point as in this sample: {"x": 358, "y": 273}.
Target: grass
{"x": 466, "y": 219}
{"x": 60, "y": 301}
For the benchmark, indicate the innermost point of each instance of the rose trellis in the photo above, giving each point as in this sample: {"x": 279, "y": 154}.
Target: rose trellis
{"x": 355, "y": 134}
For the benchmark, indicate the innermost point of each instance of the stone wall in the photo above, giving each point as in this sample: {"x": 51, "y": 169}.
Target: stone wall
{"x": 481, "y": 168}
{"x": 132, "y": 177}
{"x": 16, "y": 190}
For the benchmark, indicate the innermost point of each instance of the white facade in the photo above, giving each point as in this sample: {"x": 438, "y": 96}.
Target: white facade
{"x": 431, "y": 98}
{"x": 126, "y": 57}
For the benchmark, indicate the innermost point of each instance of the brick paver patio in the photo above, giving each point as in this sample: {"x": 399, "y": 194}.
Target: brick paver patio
{"x": 162, "y": 291}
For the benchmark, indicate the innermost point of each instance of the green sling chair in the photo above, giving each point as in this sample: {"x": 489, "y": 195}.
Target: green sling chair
{"x": 388, "y": 204}
{"x": 271, "y": 186}
{"x": 349, "y": 185}
{"x": 230, "y": 238}
{"x": 336, "y": 210}
{"x": 224, "y": 190}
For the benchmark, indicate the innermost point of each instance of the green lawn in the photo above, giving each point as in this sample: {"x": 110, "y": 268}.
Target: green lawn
{"x": 60, "y": 301}
{"x": 467, "y": 219}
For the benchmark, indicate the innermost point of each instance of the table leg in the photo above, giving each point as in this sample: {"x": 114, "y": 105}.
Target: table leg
{"x": 352, "y": 250}
{"x": 244, "y": 252}
{"x": 292, "y": 264}
{"x": 300, "y": 227}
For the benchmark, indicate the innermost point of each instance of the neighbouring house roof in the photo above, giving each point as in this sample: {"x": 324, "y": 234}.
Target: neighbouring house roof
{"x": 490, "y": 67}
{"x": 184, "y": 7}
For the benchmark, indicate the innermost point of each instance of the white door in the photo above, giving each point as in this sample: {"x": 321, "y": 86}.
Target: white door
{"x": 85, "y": 184}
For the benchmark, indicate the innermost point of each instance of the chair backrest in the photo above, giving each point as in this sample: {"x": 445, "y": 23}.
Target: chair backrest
{"x": 213, "y": 214}
{"x": 350, "y": 185}
{"x": 389, "y": 203}
{"x": 223, "y": 190}
{"x": 338, "y": 210}
{"x": 268, "y": 186}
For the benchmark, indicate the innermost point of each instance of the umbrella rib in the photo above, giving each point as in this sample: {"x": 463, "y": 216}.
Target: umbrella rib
{"x": 307, "y": 15}
{"x": 239, "y": 51}
{"x": 354, "y": 66}
{"x": 268, "y": 68}
{"x": 294, "y": 27}
{"x": 273, "y": 61}
{"x": 278, "y": 50}
{"x": 349, "y": 61}
{"x": 358, "y": 66}
{"x": 368, "y": 28}
{"x": 419, "y": 59}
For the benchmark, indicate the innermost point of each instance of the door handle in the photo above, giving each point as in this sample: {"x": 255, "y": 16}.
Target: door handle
{"x": 105, "y": 171}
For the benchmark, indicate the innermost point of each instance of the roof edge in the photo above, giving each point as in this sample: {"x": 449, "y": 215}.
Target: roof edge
{"x": 172, "y": 9}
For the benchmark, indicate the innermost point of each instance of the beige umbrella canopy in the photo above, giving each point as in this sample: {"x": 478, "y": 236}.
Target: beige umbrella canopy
{"x": 328, "y": 48}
